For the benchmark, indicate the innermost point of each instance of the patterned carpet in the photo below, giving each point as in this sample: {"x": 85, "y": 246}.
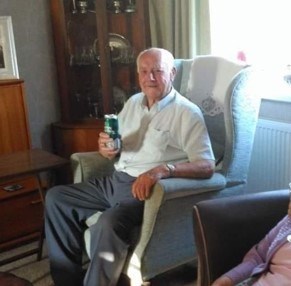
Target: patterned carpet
{"x": 37, "y": 272}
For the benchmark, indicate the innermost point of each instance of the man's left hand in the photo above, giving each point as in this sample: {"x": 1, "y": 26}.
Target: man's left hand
{"x": 142, "y": 187}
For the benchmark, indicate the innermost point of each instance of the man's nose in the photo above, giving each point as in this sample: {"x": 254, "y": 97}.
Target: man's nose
{"x": 151, "y": 76}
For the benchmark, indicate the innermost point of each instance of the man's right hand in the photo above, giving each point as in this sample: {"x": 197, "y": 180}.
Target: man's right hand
{"x": 105, "y": 151}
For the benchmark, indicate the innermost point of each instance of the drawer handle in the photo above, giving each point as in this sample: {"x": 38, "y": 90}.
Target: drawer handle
{"x": 35, "y": 202}
{"x": 12, "y": 188}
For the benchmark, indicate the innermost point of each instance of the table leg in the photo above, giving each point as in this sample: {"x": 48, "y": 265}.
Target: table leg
{"x": 42, "y": 235}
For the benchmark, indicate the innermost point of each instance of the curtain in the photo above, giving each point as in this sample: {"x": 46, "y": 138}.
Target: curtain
{"x": 201, "y": 25}
{"x": 180, "y": 26}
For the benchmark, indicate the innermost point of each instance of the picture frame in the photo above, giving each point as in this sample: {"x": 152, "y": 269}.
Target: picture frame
{"x": 8, "y": 61}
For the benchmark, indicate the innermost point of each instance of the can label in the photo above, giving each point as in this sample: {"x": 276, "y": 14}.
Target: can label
{"x": 111, "y": 128}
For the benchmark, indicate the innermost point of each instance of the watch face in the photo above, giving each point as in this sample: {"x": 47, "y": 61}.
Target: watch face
{"x": 171, "y": 166}
{"x": 171, "y": 169}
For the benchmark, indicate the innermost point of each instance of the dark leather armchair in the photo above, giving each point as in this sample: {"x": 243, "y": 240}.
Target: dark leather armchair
{"x": 225, "y": 229}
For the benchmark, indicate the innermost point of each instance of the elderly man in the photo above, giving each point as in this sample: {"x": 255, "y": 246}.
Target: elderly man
{"x": 163, "y": 135}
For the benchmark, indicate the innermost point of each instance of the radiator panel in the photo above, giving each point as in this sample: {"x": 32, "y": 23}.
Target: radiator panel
{"x": 270, "y": 166}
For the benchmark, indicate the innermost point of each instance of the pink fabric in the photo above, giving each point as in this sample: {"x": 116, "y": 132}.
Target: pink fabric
{"x": 279, "y": 269}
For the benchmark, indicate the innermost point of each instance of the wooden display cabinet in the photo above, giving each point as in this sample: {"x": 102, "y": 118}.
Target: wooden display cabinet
{"x": 21, "y": 211}
{"x": 96, "y": 44}
{"x": 70, "y": 138}
{"x": 14, "y": 130}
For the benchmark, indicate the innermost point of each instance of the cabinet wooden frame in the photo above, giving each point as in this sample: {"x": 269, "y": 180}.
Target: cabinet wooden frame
{"x": 132, "y": 26}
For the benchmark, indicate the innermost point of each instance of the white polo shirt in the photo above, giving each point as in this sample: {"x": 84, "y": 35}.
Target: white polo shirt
{"x": 172, "y": 131}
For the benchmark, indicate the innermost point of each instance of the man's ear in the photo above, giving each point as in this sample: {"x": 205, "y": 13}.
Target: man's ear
{"x": 173, "y": 73}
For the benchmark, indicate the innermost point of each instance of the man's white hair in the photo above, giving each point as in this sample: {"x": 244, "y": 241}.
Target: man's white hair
{"x": 167, "y": 56}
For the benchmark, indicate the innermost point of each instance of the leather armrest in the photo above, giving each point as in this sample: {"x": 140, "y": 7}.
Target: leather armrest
{"x": 225, "y": 229}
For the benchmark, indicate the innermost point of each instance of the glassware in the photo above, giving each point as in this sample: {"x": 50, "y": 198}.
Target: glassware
{"x": 130, "y": 8}
{"x": 82, "y": 6}
{"x": 117, "y": 7}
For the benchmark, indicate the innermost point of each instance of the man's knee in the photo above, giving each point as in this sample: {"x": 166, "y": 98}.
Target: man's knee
{"x": 53, "y": 195}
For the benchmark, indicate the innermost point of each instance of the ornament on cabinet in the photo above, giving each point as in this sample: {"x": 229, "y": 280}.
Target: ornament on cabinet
{"x": 83, "y": 6}
{"x": 121, "y": 50}
{"x": 130, "y": 7}
{"x": 118, "y": 6}
{"x": 84, "y": 55}
{"x": 115, "y": 6}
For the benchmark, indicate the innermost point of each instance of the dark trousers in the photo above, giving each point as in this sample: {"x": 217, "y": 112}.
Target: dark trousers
{"x": 66, "y": 210}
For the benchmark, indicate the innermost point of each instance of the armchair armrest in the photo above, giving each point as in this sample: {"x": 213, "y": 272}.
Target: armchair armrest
{"x": 225, "y": 229}
{"x": 86, "y": 165}
{"x": 166, "y": 190}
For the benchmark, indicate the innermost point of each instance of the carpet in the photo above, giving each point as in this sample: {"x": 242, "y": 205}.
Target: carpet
{"x": 9, "y": 279}
{"x": 38, "y": 273}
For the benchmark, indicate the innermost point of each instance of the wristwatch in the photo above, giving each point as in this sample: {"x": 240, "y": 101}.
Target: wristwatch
{"x": 171, "y": 169}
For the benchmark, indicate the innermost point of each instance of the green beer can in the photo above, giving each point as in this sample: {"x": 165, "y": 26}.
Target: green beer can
{"x": 111, "y": 128}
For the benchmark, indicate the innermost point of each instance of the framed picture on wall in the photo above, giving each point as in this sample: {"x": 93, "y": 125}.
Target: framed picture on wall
{"x": 8, "y": 61}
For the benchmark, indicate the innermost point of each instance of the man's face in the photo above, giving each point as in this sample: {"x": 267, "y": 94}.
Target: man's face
{"x": 155, "y": 77}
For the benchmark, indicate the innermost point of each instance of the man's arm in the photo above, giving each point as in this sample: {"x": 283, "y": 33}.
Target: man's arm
{"x": 142, "y": 187}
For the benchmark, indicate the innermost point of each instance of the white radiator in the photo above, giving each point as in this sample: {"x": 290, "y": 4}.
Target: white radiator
{"x": 270, "y": 167}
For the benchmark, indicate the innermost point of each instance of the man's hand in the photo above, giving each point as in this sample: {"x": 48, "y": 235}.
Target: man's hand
{"x": 105, "y": 151}
{"x": 142, "y": 187}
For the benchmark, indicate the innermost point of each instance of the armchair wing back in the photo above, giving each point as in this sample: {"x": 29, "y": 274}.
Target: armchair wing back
{"x": 240, "y": 222}
{"x": 228, "y": 95}
{"x": 166, "y": 237}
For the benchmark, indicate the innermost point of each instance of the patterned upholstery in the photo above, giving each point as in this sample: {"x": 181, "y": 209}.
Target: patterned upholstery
{"x": 208, "y": 90}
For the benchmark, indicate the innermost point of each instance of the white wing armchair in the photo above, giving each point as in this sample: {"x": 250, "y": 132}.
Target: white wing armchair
{"x": 227, "y": 94}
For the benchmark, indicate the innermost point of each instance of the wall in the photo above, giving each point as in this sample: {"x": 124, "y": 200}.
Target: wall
{"x": 36, "y": 64}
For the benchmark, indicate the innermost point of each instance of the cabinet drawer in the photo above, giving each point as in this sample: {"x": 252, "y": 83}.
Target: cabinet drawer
{"x": 20, "y": 215}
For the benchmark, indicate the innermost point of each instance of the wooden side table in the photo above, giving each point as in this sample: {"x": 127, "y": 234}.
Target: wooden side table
{"x": 21, "y": 202}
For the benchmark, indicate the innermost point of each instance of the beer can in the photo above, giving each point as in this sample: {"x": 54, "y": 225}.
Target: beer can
{"x": 111, "y": 128}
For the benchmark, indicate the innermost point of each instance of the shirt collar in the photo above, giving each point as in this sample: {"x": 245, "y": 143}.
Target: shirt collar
{"x": 161, "y": 103}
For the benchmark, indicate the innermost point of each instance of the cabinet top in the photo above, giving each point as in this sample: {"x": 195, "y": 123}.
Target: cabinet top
{"x": 10, "y": 81}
